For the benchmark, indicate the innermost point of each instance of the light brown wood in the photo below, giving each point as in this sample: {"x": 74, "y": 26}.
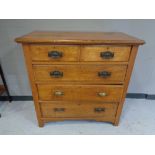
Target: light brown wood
{"x": 97, "y": 119}
{"x": 32, "y": 83}
{"x": 81, "y": 63}
{"x": 63, "y": 109}
{"x": 40, "y": 53}
{"x": 79, "y": 38}
{"x": 127, "y": 79}
{"x": 92, "y": 53}
{"x": 81, "y": 89}
{"x": 80, "y": 73}
{"x": 89, "y": 93}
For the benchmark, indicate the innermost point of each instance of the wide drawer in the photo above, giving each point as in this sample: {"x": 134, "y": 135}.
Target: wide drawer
{"x": 54, "y": 53}
{"x": 105, "y": 53}
{"x": 85, "y": 73}
{"x": 65, "y": 109}
{"x": 102, "y": 93}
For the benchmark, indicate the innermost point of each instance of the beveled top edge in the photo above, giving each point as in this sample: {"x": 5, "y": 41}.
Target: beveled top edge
{"x": 61, "y": 37}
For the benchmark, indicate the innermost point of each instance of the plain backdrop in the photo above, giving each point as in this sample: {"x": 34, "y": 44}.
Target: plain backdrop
{"x": 12, "y": 59}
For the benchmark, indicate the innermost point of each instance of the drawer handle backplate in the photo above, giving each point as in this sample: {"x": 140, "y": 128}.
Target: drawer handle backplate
{"x": 99, "y": 109}
{"x": 55, "y": 54}
{"x": 59, "y": 109}
{"x": 107, "y": 55}
{"x": 102, "y": 94}
{"x": 56, "y": 74}
{"x": 58, "y": 93}
{"x": 104, "y": 74}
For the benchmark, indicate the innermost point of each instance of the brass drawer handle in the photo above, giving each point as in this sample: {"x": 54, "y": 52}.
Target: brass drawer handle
{"x": 107, "y": 55}
{"x": 55, "y": 54}
{"x": 56, "y": 74}
{"x": 99, "y": 109}
{"x": 58, "y": 93}
{"x": 104, "y": 74}
{"x": 102, "y": 94}
{"x": 59, "y": 109}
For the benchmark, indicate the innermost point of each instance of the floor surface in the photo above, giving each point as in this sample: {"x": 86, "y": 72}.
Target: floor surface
{"x": 18, "y": 118}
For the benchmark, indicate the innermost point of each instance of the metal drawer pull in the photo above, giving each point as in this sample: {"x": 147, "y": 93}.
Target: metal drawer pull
{"x": 56, "y": 74}
{"x": 58, "y": 93}
{"x": 59, "y": 109}
{"x": 102, "y": 94}
{"x": 55, "y": 54}
{"x": 107, "y": 55}
{"x": 104, "y": 74}
{"x": 99, "y": 109}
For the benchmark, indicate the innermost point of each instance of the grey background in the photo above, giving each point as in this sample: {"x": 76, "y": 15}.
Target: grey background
{"x": 12, "y": 59}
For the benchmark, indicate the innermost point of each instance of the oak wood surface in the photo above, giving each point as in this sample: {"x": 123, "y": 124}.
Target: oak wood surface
{"x": 80, "y": 93}
{"x": 78, "y": 62}
{"x": 127, "y": 79}
{"x": 78, "y": 110}
{"x": 79, "y": 53}
{"x": 109, "y": 119}
{"x": 92, "y": 53}
{"x": 40, "y": 53}
{"x": 79, "y": 38}
{"x": 32, "y": 83}
{"x": 80, "y": 73}
{"x": 79, "y": 90}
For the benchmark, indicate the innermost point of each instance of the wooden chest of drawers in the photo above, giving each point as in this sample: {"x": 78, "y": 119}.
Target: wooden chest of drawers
{"x": 79, "y": 75}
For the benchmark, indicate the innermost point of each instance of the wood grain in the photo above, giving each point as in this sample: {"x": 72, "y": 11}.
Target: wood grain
{"x": 40, "y": 53}
{"x": 78, "y": 110}
{"x": 80, "y": 93}
{"x": 92, "y": 53}
{"x": 79, "y": 38}
{"x": 32, "y": 83}
{"x": 109, "y": 119}
{"x": 80, "y": 73}
{"x": 127, "y": 79}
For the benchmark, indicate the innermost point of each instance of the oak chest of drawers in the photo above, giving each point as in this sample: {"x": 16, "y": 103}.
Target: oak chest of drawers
{"x": 79, "y": 75}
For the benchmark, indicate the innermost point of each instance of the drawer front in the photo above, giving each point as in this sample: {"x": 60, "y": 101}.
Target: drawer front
{"x": 85, "y": 73}
{"x": 102, "y": 93}
{"x": 59, "y": 109}
{"x": 54, "y": 53}
{"x": 105, "y": 53}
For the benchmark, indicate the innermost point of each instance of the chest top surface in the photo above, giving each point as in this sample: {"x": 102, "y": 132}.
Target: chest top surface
{"x": 79, "y": 38}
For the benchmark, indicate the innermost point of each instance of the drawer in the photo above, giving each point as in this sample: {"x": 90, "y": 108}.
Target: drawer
{"x": 65, "y": 109}
{"x": 105, "y": 53}
{"x": 102, "y": 93}
{"x": 54, "y": 53}
{"x": 85, "y": 73}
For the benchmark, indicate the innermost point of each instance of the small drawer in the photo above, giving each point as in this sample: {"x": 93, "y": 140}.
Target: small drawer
{"x": 54, "y": 53}
{"x": 66, "y": 109}
{"x": 83, "y": 73}
{"x": 105, "y": 53}
{"x": 101, "y": 93}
